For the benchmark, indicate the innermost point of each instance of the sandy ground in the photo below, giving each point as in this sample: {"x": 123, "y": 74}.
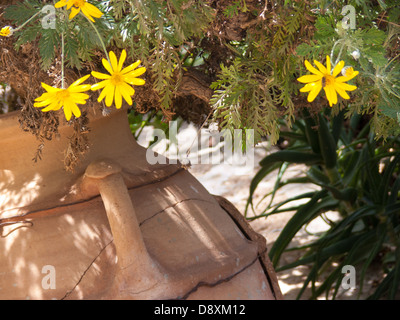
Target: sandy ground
{"x": 233, "y": 181}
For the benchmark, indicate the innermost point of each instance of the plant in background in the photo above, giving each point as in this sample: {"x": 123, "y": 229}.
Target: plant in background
{"x": 357, "y": 176}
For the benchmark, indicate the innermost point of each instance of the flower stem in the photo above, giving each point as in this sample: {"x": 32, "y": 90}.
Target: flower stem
{"x": 340, "y": 53}
{"x": 62, "y": 61}
{"x": 27, "y": 21}
{"x": 100, "y": 38}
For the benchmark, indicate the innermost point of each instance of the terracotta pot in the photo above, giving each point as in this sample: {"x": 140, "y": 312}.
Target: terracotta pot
{"x": 118, "y": 227}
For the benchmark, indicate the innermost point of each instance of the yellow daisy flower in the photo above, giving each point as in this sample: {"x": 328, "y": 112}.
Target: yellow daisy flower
{"x": 87, "y": 9}
{"x": 6, "y": 31}
{"x": 324, "y": 77}
{"x": 118, "y": 84}
{"x": 347, "y": 71}
{"x": 55, "y": 98}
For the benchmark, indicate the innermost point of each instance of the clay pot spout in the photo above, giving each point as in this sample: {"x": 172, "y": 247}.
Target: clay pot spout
{"x": 134, "y": 261}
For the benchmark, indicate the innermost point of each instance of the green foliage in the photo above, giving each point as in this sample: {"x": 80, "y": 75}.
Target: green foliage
{"x": 269, "y": 58}
{"x": 50, "y": 39}
{"x": 155, "y": 31}
{"x": 239, "y": 88}
{"x": 138, "y": 121}
{"x": 151, "y": 31}
{"x": 48, "y": 44}
{"x": 357, "y": 176}
{"x": 233, "y": 9}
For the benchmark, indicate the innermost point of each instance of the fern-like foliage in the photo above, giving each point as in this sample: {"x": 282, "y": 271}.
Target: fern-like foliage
{"x": 256, "y": 84}
{"x": 155, "y": 32}
{"x": 245, "y": 98}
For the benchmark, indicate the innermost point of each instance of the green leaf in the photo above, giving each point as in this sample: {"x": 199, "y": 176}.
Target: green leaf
{"x": 311, "y": 132}
{"x": 335, "y": 249}
{"x": 306, "y": 213}
{"x": 71, "y": 50}
{"x": 260, "y": 175}
{"x": 326, "y": 143}
{"x": 291, "y": 157}
{"x": 373, "y": 36}
{"x": 282, "y": 203}
{"x": 48, "y": 44}
{"x": 374, "y": 250}
{"x": 376, "y": 54}
{"x": 304, "y": 50}
{"x": 324, "y": 27}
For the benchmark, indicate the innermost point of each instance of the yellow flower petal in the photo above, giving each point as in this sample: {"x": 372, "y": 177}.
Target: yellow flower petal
{"x": 99, "y": 85}
{"x": 61, "y": 3}
{"x": 338, "y": 68}
{"x": 126, "y": 94}
{"x": 136, "y": 73}
{"x": 79, "y": 81}
{"x": 87, "y": 14}
{"x": 130, "y": 67}
{"x": 52, "y": 107}
{"x": 345, "y": 86}
{"x": 41, "y": 104}
{"x": 347, "y": 78}
{"x": 49, "y": 88}
{"x": 80, "y": 88}
{"x": 74, "y": 12}
{"x": 328, "y": 65}
{"x": 68, "y": 113}
{"x": 92, "y": 10}
{"x": 309, "y": 78}
{"x": 121, "y": 60}
{"x": 110, "y": 91}
{"x": 320, "y": 66}
{"x": 107, "y": 65}
{"x": 80, "y": 96}
{"x": 102, "y": 95}
{"x": 100, "y": 75}
{"x": 75, "y": 110}
{"x": 308, "y": 87}
{"x": 342, "y": 93}
{"x": 135, "y": 81}
{"x": 314, "y": 92}
{"x": 6, "y": 31}
{"x": 311, "y": 68}
{"x": 44, "y": 96}
{"x": 114, "y": 62}
{"x": 118, "y": 98}
{"x": 330, "y": 95}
